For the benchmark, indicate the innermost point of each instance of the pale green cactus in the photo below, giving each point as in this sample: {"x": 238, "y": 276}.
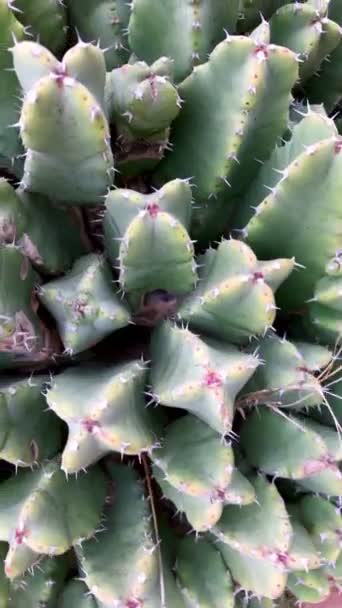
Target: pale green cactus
{"x": 170, "y": 340}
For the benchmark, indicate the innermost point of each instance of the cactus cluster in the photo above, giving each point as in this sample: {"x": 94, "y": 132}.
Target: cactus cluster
{"x": 170, "y": 337}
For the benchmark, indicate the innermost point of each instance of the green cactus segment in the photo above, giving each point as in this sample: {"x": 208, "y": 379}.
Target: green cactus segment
{"x": 307, "y": 32}
{"x": 203, "y": 576}
{"x": 223, "y": 127}
{"x": 330, "y": 437}
{"x": 66, "y": 136}
{"x": 144, "y": 234}
{"x": 184, "y": 31}
{"x": 42, "y": 589}
{"x": 46, "y": 20}
{"x": 29, "y": 433}
{"x": 257, "y": 575}
{"x": 76, "y": 595}
{"x": 202, "y": 377}
{"x": 332, "y": 413}
{"x": 86, "y": 63}
{"x": 4, "y": 582}
{"x": 32, "y": 499}
{"x": 251, "y": 11}
{"x": 303, "y": 554}
{"x": 105, "y": 411}
{"x": 10, "y": 147}
{"x": 260, "y": 530}
{"x": 286, "y": 378}
{"x": 309, "y": 128}
{"x": 245, "y": 601}
{"x": 141, "y": 101}
{"x": 240, "y": 491}
{"x": 312, "y": 586}
{"x": 32, "y": 61}
{"x": 23, "y": 338}
{"x": 334, "y": 11}
{"x": 325, "y": 86}
{"x": 201, "y": 512}
{"x": 328, "y": 482}
{"x": 194, "y": 459}
{"x": 234, "y": 298}
{"x": 52, "y": 238}
{"x": 103, "y": 21}
{"x": 121, "y": 567}
{"x": 12, "y": 216}
{"x": 84, "y": 304}
{"x": 324, "y": 320}
{"x": 291, "y": 447}
{"x": 262, "y": 33}
{"x": 310, "y": 184}
{"x": 334, "y": 571}
{"x": 316, "y": 357}
{"x": 324, "y": 523}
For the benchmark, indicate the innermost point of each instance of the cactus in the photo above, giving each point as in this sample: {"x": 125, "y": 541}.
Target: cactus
{"x": 309, "y": 586}
{"x": 208, "y": 386}
{"x": 111, "y": 416}
{"x": 49, "y": 236}
{"x": 44, "y": 20}
{"x": 30, "y": 434}
{"x": 43, "y": 588}
{"x": 170, "y": 339}
{"x": 252, "y": 11}
{"x": 131, "y": 575}
{"x": 64, "y": 160}
{"x": 212, "y": 588}
{"x": 103, "y": 21}
{"x": 324, "y": 86}
{"x": 185, "y": 32}
{"x": 24, "y": 340}
{"x": 183, "y": 459}
{"x": 142, "y": 102}
{"x": 145, "y": 233}
{"x": 10, "y": 145}
{"x": 84, "y": 305}
{"x": 314, "y": 168}
{"x": 39, "y": 496}
{"x": 75, "y": 595}
{"x": 218, "y": 137}
{"x": 306, "y": 30}
{"x": 231, "y": 276}
{"x": 315, "y": 449}
{"x": 287, "y": 376}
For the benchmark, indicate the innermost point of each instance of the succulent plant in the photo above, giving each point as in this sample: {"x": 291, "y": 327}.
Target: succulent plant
{"x": 170, "y": 303}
